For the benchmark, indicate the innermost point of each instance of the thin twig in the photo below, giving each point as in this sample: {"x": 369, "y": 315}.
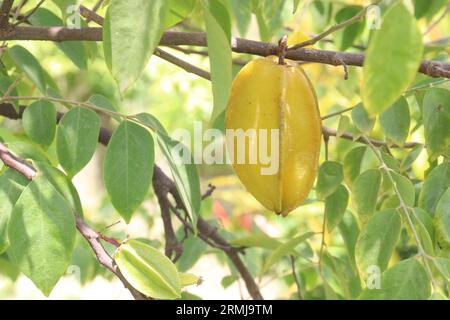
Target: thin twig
{"x": 438, "y": 20}
{"x": 359, "y": 16}
{"x": 337, "y": 113}
{"x": 29, "y": 14}
{"x": 296, "y": 279}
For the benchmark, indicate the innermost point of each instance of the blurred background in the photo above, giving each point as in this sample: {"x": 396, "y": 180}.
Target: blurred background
{"x": 177, "y": 99}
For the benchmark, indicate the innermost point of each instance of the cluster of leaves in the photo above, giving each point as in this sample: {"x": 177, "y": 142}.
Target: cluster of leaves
{"x": 372, "y": 197}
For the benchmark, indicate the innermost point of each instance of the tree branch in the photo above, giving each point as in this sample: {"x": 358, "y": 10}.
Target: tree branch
{"x": 239, "y": 45}
{"x": 92, "y": 236}
{"x": 4, "y": 14}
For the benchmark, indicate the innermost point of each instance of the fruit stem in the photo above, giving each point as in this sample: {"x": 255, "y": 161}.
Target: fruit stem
{"x": 282, "y": 46}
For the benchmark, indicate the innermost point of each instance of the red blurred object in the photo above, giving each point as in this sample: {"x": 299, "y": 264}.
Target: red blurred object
{"x": 221, "y": 213}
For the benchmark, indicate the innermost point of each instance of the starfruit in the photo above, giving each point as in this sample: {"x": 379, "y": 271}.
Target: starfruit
{"x": 148, "y": 270}
{"x": 268, "y": 97}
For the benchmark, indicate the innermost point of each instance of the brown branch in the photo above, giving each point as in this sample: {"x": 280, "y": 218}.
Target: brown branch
{"x": 239, "y": 45}
{"x": 207, "y": 230}
{"x": 172, "y": 243}
{"x": 4, "y": 14}
{"x": 87, "y": 232}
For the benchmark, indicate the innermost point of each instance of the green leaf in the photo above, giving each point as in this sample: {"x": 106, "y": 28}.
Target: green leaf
{"x": 443, "y": 265}
{"x": 285, "y": 249}
{"x": 128, "y": 167}
{"x": 242, "y": 11}
{"x": 76, "y": 139}
{"x": 182, "y": 166}
{"x": 257, "y": 240}
{"x": 62, "y": 184}
{"x": 343, "y": 125}
{"x": 218, "y": 36}
{"x": 345, "y": 37}
{"x": 395, "y": 121}
{"x": 421, "y": 7}
{"x": 377, "y": 241}
{"x": 148, "y": 270}
{"x": 407, "y": 280}
{"x": 102, "y": 102}
{"x": 335, "y": 206}
{"x": 409, "y": 159}
{"x": 436, "y": 117}
{"x": 42, "y": 234}
{"x": 423, "y": 224}
{"x": 151, "y": 122}
{"x": 193, "y": 250}
{"x": 295, "y": 5}
{"x": 365, "y": 193}
{"x": 396, "y": 49}
{"x": 28, "y": 64}
{"x": 352, "y": 164}
{"x": 189, "y": 279}
{"x": 349, "y": 230}
{"x": 39, "y": 122}
{"x": 363, "y": 122}
{"x": 131, "y": 32}
{"x": 185, "y": 175}
{"x": 437, "y": 181}
{"x": 178, "y": 10}
{"x": 405, "y": 188}
{"x": 329, "y": 178}
{"x": 12, "y": 184}
{"x": 74, "y": 50}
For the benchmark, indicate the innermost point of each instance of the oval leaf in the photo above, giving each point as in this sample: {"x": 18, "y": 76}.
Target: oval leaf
{"x": 335, "y": 206}
{"x": 407, "y": 280}
{"x": 42, "y": 234}
{"x": 329, "y": 178}
{"x": 365, "y": 193}
{"x": 128, "y": 167}
{"x": 437, "y": 181}
{"x": 39, "y": 122}
{"x": 377, "y": 241}
{"x": 436, "y": 119}
{"x": 76, "y": 139}
{"x": 131, "y": 32}
{"x": 284, "y": 249}
{"x": 12, "y": 184}
{"x": 395, "y": 121}
{"x": 352, "y": 164}
{"x": 26, "y": 62}
{"x": 392, "y": 59}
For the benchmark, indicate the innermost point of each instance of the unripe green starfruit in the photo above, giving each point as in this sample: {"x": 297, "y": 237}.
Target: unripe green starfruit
{"x": 270, "y": 97}
{"x": 148, "y": 270}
